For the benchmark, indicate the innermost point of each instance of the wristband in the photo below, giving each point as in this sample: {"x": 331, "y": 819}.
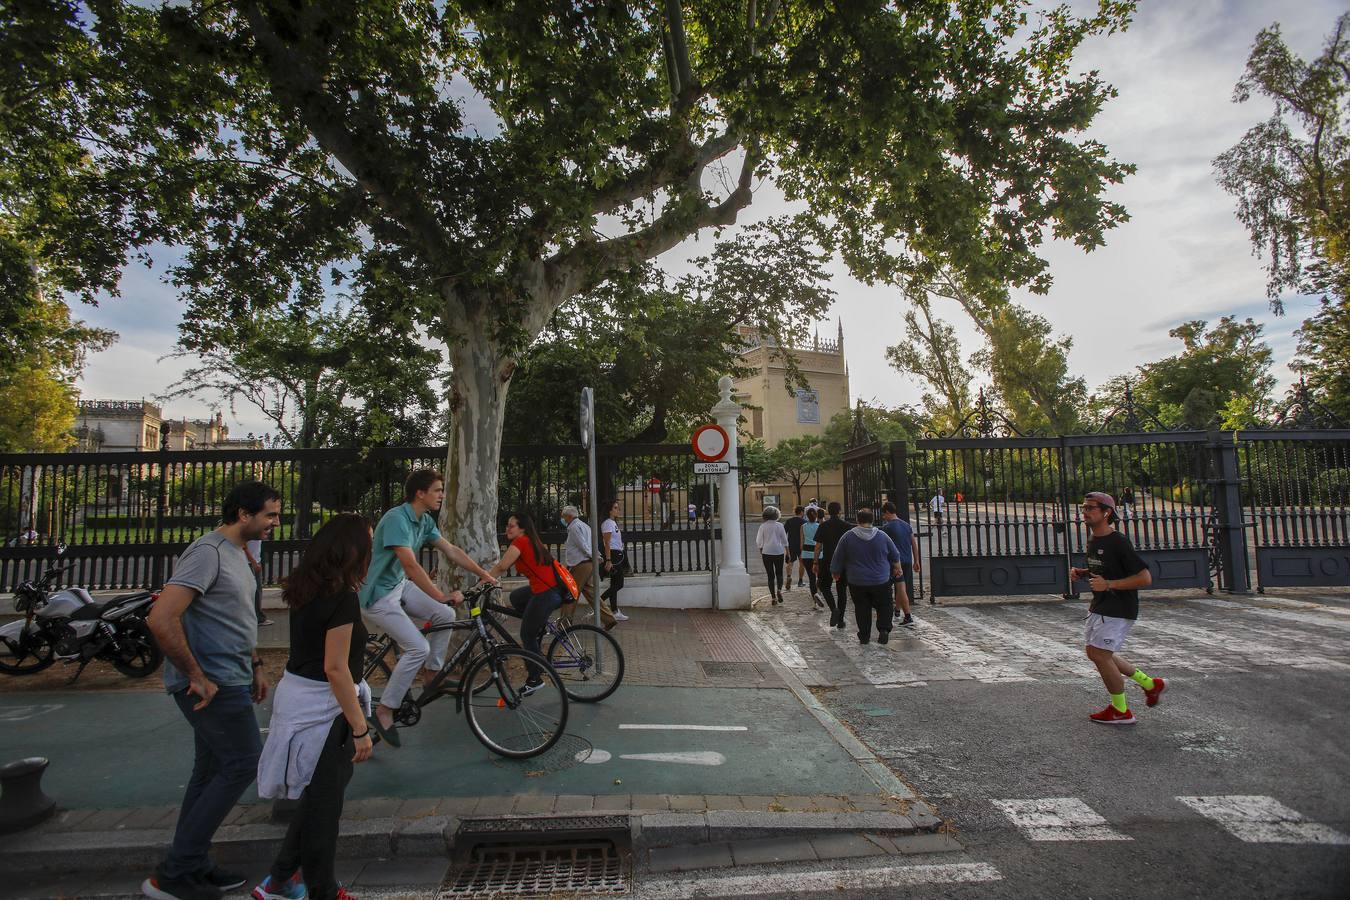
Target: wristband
{"x": 366, "y": 733}
{"x": 257, "y": 663}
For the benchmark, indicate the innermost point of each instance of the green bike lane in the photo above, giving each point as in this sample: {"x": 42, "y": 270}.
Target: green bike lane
{"x": 124, "y": 749}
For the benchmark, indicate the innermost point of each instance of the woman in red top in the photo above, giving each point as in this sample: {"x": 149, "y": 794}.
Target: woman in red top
{"x": 537, "y": 600}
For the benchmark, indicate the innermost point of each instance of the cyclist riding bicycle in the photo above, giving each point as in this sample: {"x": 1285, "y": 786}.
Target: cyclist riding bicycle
{"x": 397, "y": 589}
{"x": 537, "y": 600}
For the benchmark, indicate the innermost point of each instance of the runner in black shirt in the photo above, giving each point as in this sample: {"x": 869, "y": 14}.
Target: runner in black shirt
{"x": 1117, "y": 573}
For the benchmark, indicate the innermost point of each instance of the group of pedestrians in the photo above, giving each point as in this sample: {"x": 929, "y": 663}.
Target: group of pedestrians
{"x": 352, "y": 580}
{"x": 875, "y": 564}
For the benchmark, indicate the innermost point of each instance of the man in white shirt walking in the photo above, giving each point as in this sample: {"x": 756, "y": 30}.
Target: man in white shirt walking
{"x": 576, "y": 555}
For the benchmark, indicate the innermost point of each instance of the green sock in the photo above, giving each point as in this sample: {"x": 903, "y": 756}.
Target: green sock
{"x": 1118, "y": 701}
{"x": 1142, "y": 680}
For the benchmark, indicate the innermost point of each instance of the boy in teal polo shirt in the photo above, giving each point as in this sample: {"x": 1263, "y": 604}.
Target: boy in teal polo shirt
{"x": 398, "y": 590}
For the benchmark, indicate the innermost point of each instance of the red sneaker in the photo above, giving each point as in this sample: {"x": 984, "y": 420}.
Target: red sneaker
{"x": 1112, "y": 716}
{"x": 1151, "y": 697}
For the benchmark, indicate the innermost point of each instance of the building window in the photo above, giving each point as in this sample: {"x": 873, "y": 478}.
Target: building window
{"x": 757, "y": 422}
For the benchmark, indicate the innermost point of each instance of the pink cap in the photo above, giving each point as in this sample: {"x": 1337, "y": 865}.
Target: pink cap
{"x": 1103, "y": 500}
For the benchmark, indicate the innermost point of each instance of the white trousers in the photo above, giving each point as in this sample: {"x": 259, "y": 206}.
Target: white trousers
{"x": 400, "y": 614}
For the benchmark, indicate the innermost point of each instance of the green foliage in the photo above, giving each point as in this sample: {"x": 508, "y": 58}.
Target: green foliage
{"x": 1291, "y": 173}
{"x": 885, "y": 424}
{"x": 653, "y": 347}
{"x": 1324, "y": 356}
{"x": 799, "y": 459}
{"x": 322, "y": 377}
{"x": 1029, "y": 367}
{"x": 931, "y": 354}
{"x": 283, "y": 145}
{"x": 1221, "y": 378}
{"x": 756, "y": 463}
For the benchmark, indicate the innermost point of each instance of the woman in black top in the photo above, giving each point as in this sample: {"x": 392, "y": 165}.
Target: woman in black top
{"x": 328, "y": 641}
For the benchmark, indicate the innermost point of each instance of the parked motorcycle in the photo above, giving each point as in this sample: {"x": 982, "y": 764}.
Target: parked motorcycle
{"x": 72, "y": 626}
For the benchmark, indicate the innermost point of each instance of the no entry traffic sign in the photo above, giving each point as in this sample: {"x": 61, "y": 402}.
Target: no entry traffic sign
{"x": 710, "y": 442}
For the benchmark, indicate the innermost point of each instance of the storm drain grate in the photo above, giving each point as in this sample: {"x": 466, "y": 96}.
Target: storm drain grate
{"x": 746, "y": 671}
{"x": 585, "y": 869}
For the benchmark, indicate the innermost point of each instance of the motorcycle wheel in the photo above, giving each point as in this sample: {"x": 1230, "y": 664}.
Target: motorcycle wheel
{"x": 140, "y": 654}
{"x": 35, "y": 653}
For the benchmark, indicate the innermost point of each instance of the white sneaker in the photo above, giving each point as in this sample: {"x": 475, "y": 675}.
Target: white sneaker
{"x": 619, "y": 617}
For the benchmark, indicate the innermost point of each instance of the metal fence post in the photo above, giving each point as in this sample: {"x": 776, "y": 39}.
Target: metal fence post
{"x": 1231, "y": 532}
{"x": 899, "y": 486}
{"x": 161, "y": 507}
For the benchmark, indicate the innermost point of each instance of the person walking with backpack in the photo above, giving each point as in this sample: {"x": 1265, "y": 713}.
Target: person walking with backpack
{"x": 772, "y": 541}
{"x": 538, "y": 599}
{"x": 835, "y": 591}
{"x": 871, "y": 560}
{"x": 1117, "y": 573}
{"x": 809, "y": 553}
{"x": 793, "y": 527}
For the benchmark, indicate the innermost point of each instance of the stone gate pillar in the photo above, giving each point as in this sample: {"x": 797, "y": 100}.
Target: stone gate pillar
{"x": 733, "y": 581}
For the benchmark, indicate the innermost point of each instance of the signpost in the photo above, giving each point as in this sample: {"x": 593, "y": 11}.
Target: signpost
{"x": 587, "y": 426}
{"x": 711, "y": 442}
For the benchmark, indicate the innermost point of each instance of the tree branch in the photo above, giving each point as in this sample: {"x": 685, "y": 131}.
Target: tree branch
{"x": 666, "y": 168}
{"x": 680, "y": 45}
{"x": 291, "y": 75}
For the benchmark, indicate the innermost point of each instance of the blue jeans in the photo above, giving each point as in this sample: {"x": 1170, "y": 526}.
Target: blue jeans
{"x": 227, "y": 746}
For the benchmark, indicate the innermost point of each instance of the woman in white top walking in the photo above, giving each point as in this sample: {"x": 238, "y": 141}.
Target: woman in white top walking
{"x": 611, "y": 545}
{"x": 772, "y": 540}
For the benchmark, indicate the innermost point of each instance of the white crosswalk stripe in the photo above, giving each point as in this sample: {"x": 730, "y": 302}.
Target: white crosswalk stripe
{"x": 871, "y": 879}
{"x": 984, "y": 666}
{"x": 1058, "y": 819}
{"x": 1011, "y": 643}
{"x": 1263, "y": 820}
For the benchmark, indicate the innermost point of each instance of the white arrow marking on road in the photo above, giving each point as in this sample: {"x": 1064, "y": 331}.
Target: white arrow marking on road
{"x": 630, "y": 727}
{"x": 870, "y": 880}
{"x": 1263, "y": 820}
{"x": 23, "y": 713}
{"x": 593, "y": 757}
{"x": 696, "y": 758}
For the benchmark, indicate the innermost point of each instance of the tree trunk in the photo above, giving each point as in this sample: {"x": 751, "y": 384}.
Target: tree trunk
{"x": 479, "y": 382}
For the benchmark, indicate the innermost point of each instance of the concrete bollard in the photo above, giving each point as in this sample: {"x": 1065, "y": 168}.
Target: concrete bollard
{"x": 22, "y": 802}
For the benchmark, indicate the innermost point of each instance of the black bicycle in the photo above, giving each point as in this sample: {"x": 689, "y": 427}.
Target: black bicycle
{"x": 587, "y": 659}
{"x": 510, "y": 718}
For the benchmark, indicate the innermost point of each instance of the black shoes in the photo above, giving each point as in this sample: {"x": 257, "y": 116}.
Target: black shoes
{"x": 158, "y": 887}
{"x": 884, "y": 637}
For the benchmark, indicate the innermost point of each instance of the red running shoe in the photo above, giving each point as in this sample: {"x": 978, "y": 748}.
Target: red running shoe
{"x": 343, "y": 895}
{"x": 1151, "y": 697}
{"x": 1112, "y": 716}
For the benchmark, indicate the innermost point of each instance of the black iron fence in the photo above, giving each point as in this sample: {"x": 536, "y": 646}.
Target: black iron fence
{"x": 1202, "y": 508}
{"x": 125, "y": 517}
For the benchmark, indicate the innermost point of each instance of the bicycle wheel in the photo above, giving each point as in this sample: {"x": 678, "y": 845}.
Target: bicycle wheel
{"x": 507, "y": 721}
{"x": 588, "y": 661}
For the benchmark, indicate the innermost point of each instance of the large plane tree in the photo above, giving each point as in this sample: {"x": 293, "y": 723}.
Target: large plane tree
{"x": 466, "y": 167}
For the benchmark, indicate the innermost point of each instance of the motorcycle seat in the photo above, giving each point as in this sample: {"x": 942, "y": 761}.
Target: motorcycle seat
{"x": 98, "y": 608}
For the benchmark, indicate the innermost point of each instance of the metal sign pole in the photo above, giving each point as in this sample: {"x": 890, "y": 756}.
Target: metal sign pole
{"x": 588, "y": 441}
{"x": 712, "y": 537}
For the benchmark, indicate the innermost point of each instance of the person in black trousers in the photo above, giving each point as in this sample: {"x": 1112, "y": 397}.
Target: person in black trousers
{"x": 827, "y": 537}
{"x": 321, "y": 701}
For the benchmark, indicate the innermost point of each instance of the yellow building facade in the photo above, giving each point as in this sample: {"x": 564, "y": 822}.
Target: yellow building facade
{"x": 773, "y": 413}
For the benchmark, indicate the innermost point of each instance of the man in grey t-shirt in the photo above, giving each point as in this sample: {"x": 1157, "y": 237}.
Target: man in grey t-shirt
{"x": 205, "y": 624}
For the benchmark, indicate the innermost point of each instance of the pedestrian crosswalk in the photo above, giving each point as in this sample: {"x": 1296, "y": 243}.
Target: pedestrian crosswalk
{"x": 1012, "y": 643}
{"x": 1249, "y": 818}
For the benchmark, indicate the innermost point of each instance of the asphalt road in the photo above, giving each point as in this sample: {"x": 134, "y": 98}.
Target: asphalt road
{"x": 983, "y": 711}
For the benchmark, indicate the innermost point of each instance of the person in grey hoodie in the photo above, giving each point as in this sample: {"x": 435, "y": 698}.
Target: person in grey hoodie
{"x": 870, "y": 559}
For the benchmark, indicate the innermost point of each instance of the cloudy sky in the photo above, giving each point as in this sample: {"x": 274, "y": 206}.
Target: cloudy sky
{"x": 1182, "y": 256}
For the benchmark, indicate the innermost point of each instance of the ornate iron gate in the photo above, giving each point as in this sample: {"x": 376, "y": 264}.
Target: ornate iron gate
{"x": 1009, "y": 522}
{"x": 1298, "y": 503}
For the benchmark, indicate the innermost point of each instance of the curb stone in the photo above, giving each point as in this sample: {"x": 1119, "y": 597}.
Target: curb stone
{"x": 430, "y": 836}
